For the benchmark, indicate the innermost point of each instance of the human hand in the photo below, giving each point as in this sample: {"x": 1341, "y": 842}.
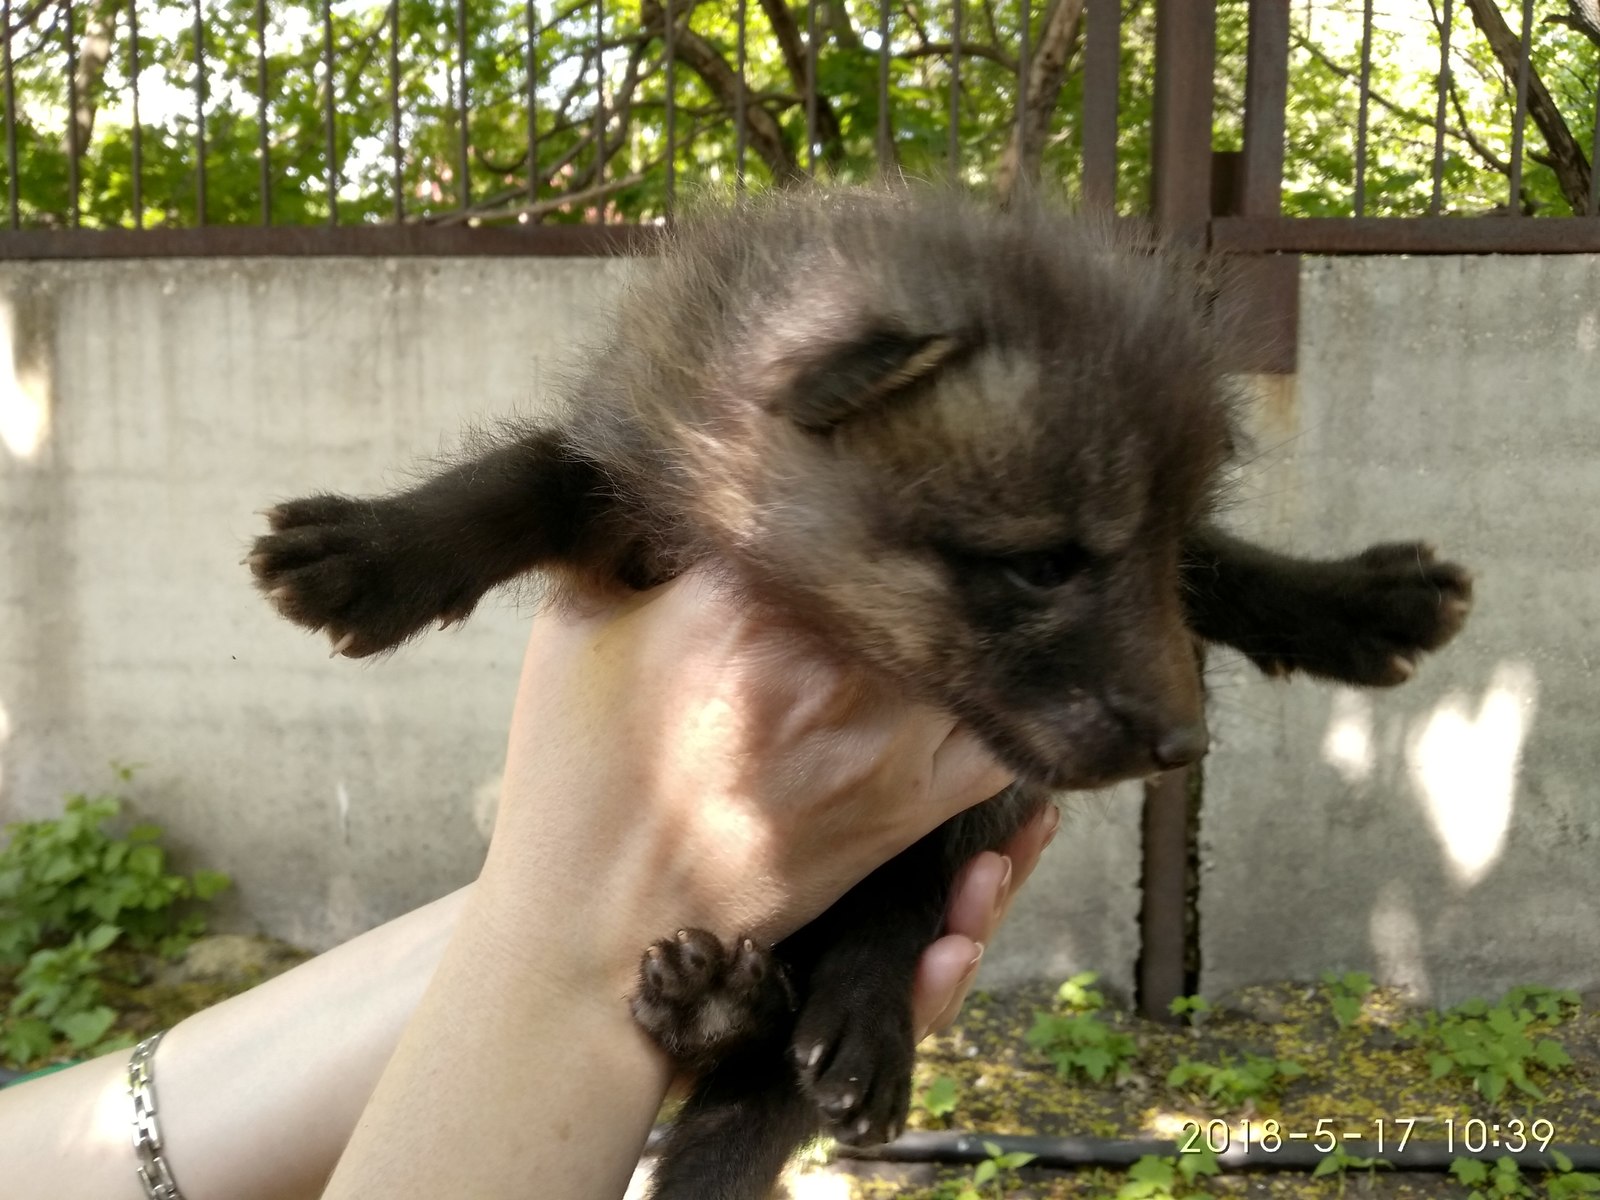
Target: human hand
{"x": 979, "y": 903}
{"x": 679, "y": 759}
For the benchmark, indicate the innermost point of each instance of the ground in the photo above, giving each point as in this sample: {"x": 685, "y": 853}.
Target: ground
{"x": 1350, "y": 1077}
{"x": 1293, "y": 1062}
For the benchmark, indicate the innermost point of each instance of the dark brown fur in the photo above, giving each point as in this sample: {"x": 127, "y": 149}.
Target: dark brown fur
{"x": 976, "y": 450}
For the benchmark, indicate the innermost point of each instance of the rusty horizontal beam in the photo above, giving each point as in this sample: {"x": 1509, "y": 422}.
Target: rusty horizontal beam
{"x": 252, "y": 241}
{"x": 1406, "y": 235}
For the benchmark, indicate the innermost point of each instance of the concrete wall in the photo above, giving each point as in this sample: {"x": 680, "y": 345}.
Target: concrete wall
{"x": 1445, "y": 835}
{"x": 146, "y": 410}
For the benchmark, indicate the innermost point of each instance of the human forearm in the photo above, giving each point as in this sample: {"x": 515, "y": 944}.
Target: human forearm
{"x": 236, "y": 1111}
{"x": 515, "y": 1068}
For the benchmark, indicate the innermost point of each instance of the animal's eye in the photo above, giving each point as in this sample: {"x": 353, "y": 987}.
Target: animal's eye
{"x": 1041, "y": 570}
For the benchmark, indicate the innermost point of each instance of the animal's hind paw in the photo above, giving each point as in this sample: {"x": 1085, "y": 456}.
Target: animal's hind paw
{"x": 699, "y": 998}
{"x": 855, "y": 1064}
{"x": 1373, "y": 616}
{"x": 355, "y": 570}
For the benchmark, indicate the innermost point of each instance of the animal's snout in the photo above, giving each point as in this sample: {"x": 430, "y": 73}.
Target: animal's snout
{"x": 1172, "y": 734}
{"x": 1181, "y": 745}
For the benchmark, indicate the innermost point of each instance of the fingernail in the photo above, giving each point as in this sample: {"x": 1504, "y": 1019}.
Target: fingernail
{"x": 972, "y": 966}
{"x": 1004, "y": 892}
{"x": 1052, "y": 825}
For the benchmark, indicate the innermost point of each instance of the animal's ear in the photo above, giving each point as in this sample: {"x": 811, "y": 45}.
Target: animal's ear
{"x": 836, "y": 381}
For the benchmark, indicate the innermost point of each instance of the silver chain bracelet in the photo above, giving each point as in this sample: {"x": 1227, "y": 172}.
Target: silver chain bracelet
{"x": 154, "y": 1172}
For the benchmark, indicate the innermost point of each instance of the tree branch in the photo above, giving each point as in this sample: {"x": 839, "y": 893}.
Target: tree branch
{"x": 794, "y": 58}
{"x": 701, "y": 57}
{"x": 1567, "y": 159}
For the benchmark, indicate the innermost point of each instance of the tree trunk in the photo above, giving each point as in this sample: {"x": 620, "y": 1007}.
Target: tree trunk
{"x": 94, "y": 49}
{"x": 1047, "y": 70}
{"x": 1567, "y": 158}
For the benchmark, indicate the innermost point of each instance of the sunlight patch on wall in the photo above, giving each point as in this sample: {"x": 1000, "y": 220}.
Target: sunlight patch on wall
{"x": 1396, "y": 939}
{"x": 5, "y": 736}
{"x": 1464, "y": 766}
{"x": 24, "y": 395}
{"x": 1347, "y": 748}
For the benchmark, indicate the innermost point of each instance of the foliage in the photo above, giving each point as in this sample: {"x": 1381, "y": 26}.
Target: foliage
{"x": 1192, "y": 1008}
{"x": 66, "y": 876}
{"x": 1341, "y": 1162}
{"x": 1345, "y": 994}
{"x": 578, "y": 179}
{"x": 939, "y": 1098}
{"x": 1499, "y": 1044}
{"x": 58, "y": 998}
{"x": 69, "y": 889}
{"x": 1233, "y": 1082}
{"x": 1504, "y": 1179}
{"x": 1076, "y": 1039}
{"x": 1156, "y": 1178}
{"x": 990, "y": 1177}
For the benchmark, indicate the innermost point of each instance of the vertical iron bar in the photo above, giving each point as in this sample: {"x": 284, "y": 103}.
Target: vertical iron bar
{"x": 327, "y": 113}
{"x": 200, "y": 111}
{"x": 73, "y": 149}
{"x": 1022, "y": 79}
{"x": 138, "y": 138}
{"x": 1436, "y": 201}
{"x": 955, "y": 90}
{"x": 599, "y": 92}
{"x": 394, "y": 111}
{"x": 263, "y": 149}
{"x": 1361, "y": 115}
{"x": 11, "y": 126}
{"x": 462, "y": 160}
{"x": 1520, "y": 121}
{"x": 1163, "y": 898}
{"x": 670, "y": 43}
{"x": 1185, "y": 99}
{"x": 533, "y": 101}
{"x": 1102, "y": 80}
{"x": 811, "y": 87}
{"x": 884, "y": 157}
{"x": 1266, "y": 91}
{"x": 740, "y": 99}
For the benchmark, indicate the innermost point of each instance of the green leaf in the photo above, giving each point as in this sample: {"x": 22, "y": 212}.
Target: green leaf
{"x": 101, "y": 937}
{"x": 1551, "y": 1054}
{"x": 939, "y": 1099}
{"x": 1151, "y": 1169}
{"x": 1095, "y": 1062}
{"x": 24, "y": 1039}
{"x": 209, "y": 883}
{"x": 1563, "y": 1163}
{"x": 84, "y": 1029}
{"x": 1327, "y": 1165}
{"x": 986, "y": 1170}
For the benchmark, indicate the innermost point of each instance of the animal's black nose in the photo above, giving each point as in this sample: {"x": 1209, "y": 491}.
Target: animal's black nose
{"x": 1182, "y": 745}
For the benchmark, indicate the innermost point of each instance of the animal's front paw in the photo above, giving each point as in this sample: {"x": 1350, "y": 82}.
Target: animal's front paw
{"x": 855, "y": 1063}
{"x": 355, "y": 570}
{"x": 1373, "y": 616}
{"x": 699, "y": 999}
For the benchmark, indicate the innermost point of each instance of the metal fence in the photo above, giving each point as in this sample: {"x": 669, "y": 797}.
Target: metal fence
{"x": 501, "y": 126}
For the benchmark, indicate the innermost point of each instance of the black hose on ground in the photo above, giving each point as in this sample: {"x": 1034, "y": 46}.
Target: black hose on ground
{"x": 919, "y": 1146}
